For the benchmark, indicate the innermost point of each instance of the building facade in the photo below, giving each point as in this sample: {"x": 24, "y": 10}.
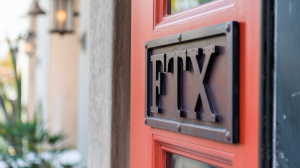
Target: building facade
{"x": 174, "y": 83}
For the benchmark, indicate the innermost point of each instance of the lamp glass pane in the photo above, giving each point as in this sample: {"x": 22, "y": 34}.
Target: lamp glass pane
{"x": 62, "y": 16}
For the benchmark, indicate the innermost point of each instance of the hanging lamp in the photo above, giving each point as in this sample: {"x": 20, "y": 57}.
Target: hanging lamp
{"x": 36, "y": 10}
{"x": 61, "y": 16}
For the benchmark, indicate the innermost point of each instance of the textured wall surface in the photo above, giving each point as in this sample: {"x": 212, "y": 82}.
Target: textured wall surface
{"x": 120, "y": 135}
{"x": 288, "y": 83}
{"x": 109, "y": 115}
{"x": 63, "y": 82}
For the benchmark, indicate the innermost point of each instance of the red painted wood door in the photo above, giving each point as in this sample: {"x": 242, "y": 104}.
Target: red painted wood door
{"x": 149, "y": 145}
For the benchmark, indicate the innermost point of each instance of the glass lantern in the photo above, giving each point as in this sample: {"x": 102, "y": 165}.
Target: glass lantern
{"x": 29, "y": 46}
{"x": 61, "y": 16}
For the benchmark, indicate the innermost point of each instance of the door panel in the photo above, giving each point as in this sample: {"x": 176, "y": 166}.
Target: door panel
{"x": 163, "y": 145}
{"x": 149, "y": 145}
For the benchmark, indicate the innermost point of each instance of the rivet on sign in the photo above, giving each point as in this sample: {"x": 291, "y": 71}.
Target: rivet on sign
{"x": 178, "y": 127}
{"x": 228, "y": 28}
{"x": 228, "y": 136}
{"x": 179, "y": 36}
{"x": 146, "y": 45}
{"x": 145, "y": 120}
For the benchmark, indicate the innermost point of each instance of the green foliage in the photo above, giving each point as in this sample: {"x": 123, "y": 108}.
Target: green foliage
{"x": 179, "y": 5}
{"x": 18, "y": 139}
{"x": 28, "y": 137}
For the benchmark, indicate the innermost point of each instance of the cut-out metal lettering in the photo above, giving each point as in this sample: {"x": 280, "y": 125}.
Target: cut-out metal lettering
{"x": 192, "y": 82}
{"x": 175, "y": 63}
{"x": 176, "y": 68}
{"x": 158, "y": 81}
{"x": 202, "y": 90}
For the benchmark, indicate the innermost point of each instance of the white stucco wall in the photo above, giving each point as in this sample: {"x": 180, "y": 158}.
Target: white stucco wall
{"x": 83, "y": 82}
{"x": 109, "y": 112}
{"x": 101, "y": 40}
{"x": 42, "y": 59}
{"x": 44, "y": 42}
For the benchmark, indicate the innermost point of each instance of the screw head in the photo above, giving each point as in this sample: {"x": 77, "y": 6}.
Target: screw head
{"x": 145, "y": 120}
{"x": 228, "y": 28}
{"x": 179, "y": 36}
{"x": 178, "y": 127}
{"x": 146, "y": 45}
{"x": 228, "y": 136}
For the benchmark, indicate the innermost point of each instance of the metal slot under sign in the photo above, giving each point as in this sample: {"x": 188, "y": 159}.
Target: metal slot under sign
{"x": 192, "y": 82}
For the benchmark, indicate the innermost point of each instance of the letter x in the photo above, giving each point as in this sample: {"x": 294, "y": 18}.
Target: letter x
{"x": 202, "y": 74}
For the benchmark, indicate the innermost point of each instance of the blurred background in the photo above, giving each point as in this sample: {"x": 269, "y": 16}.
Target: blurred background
{"x": 44, "y": 74}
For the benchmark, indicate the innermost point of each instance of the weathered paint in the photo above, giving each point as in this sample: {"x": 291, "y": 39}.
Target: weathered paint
{"x": 287, "y": 84}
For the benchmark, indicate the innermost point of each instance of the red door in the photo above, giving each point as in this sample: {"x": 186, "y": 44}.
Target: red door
{"x": 157, "y": 146}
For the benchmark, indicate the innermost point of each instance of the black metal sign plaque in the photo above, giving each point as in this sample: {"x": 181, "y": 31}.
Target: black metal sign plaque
{"x": 192, "y": 82}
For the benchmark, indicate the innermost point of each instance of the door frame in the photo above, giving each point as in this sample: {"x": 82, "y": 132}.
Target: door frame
{"x": 266, "y": 83}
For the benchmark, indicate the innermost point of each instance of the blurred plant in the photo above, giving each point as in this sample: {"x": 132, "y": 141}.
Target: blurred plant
{"x": 25, "y": 143}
